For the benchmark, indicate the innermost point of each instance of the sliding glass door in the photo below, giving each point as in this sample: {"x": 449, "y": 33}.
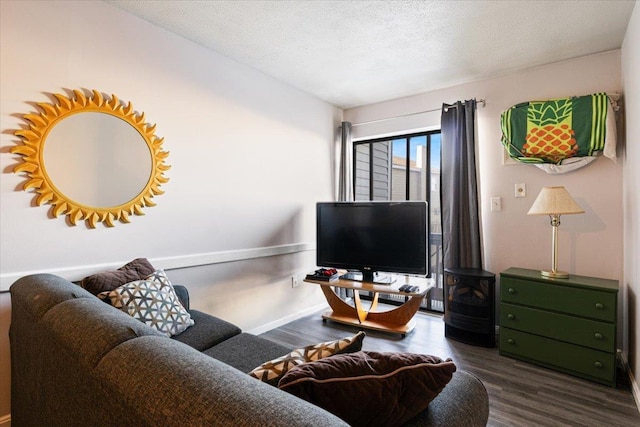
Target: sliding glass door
{"x": 405, "y": 167}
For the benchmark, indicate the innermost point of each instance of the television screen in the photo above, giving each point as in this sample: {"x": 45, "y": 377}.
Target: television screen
{"x": 372, "y": 237}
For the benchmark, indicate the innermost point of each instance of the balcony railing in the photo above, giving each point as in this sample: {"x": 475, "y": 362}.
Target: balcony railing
{"x": 433, "y": 301}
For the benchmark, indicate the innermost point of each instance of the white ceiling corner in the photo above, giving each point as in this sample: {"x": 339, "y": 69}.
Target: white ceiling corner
{"x": 351, "y": 53}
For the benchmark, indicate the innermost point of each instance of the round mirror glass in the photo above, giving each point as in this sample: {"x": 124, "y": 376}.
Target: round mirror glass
{"x": 97, "y": 159}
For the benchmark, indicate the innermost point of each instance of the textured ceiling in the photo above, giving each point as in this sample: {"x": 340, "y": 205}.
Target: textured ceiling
{"x": 352, "y": 53}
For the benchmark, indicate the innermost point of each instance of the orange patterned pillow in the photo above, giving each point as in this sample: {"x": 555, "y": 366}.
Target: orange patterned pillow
{"x": 271, "y": 371}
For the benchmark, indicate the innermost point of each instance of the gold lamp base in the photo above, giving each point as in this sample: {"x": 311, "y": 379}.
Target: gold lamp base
{"x": 555, "y": 274}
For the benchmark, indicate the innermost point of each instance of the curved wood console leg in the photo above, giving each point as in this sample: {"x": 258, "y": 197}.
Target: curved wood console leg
{"x": 362, "y": 313}
{"x": 338, "y": 306}
{"x": 399, "y": 320}
{"x": 374, "y": 303}
{"x": 401, "y": 315}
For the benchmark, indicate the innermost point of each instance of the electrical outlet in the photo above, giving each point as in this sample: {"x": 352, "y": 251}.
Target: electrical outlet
{"x": 295, "y": 282}
{"x": 521, "y": 190}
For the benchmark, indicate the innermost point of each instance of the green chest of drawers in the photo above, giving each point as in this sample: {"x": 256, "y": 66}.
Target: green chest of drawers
{"x": 564, "y": 324}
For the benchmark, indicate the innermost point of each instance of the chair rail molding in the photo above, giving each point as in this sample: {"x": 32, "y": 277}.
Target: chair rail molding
{"x": 167, "y": 263}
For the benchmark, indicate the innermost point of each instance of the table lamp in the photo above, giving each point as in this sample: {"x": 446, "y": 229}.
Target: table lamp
{"x": 554, "y": 201}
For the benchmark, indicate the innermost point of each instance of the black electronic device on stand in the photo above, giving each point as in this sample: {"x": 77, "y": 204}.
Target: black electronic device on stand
{"x": 324, "y": 274}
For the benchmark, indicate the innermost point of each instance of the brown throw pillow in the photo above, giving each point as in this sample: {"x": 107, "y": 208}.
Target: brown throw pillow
{"x": 371, "y": 388}
{"x": 137, "y": 269}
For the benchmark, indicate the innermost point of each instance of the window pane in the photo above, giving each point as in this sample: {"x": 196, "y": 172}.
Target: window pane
{"x": 418, "y": 169}
{"x": 435, "y": 150}
{"x": 361, "y": 172}
{"x": 436, "y": 225}
{"x": 399, "y": 176}
{"x": 381, "y": 178}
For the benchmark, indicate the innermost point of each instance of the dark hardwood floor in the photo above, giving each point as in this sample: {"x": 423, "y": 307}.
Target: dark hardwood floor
{"x": 520, "y": 394}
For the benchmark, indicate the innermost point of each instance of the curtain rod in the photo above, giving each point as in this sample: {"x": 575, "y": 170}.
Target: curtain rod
{"x": 479, "y": 101}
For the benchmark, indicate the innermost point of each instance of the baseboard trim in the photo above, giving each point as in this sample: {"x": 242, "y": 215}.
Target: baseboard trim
{"x": 5, "y": 421}
{"x": 287, "y": 319}
{"x": 167, "y": 263}
{"x": 635, "y": 389}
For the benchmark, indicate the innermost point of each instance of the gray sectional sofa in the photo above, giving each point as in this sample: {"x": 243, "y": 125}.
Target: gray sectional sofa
{"x": 77, "y": 361}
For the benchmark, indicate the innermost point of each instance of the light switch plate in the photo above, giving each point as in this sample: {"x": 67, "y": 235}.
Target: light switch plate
{"x": 496, "y": 204}
{"x": 521, "y": 190}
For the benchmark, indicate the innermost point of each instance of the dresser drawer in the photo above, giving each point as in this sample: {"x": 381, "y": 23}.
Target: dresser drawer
{"x": 580, "y": 361}
{"x": 564, "y": 299}
{"x": 585, "y": 332}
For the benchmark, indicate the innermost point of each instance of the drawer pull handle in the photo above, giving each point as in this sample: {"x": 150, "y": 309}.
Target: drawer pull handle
{"x": 510, "y": 316}
{"x": 598, "y": 364}
{"x": 511, "y": 341}
{"x": 599, "y": 306}
{"x": 598, "y": 336}
{"x": 512, "y": 291}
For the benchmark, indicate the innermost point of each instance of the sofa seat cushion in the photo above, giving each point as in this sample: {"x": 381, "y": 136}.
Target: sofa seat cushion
{"x": 207, "y": 332}
{"x": 246, "y": 351}
{"x": 371, "y": 388}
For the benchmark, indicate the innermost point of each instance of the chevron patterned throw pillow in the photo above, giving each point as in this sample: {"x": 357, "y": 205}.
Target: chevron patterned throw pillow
{"x": 271, "y": 371}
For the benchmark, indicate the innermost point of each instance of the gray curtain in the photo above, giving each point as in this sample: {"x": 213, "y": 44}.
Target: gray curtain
{"x": 345, "y": 181}
{"x": 345, "y": 173}
{"x": 459, "y": 193}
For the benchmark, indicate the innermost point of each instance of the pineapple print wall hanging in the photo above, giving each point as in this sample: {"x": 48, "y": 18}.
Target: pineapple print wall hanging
{"x": 560, "y": 132}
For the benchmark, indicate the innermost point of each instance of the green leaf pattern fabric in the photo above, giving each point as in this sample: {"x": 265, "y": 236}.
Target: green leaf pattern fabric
{"x": 554, "y": 130}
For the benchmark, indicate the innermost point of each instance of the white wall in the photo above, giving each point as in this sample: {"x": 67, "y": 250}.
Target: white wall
{"x": 249, "y": 158}
{"x": 631, "y": 199}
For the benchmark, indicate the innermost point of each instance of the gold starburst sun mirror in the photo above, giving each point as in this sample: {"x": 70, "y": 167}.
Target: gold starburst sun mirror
{"x": 91, "y": 157}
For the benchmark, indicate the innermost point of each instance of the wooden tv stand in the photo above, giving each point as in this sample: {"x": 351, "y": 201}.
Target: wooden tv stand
{"x": 398, "y": 320}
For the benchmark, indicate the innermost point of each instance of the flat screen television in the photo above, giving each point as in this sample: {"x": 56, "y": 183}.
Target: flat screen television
{"x": 367, "y": 238}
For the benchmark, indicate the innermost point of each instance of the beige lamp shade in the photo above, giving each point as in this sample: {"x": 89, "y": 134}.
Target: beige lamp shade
{"x": 554, "y": 201}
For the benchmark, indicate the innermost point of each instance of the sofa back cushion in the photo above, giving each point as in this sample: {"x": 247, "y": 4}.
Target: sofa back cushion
{"x": 39, "y": 292}
{"x": 89, "y": 328}
{"x": 191, "y": 389}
